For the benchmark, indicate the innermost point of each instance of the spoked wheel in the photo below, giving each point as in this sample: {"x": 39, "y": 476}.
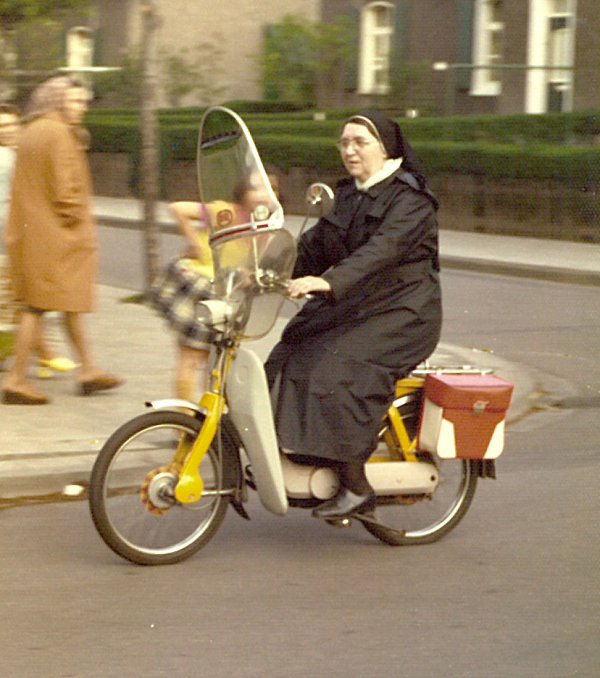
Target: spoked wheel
{"x": 422, "y": 519}
{"x": 132, "y": 491}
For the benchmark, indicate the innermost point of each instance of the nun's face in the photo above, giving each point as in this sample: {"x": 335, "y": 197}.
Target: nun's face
{"x": 362, "y": 154}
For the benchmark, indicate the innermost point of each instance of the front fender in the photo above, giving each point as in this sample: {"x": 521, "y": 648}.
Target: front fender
{"x": 232, "y": 467}
{"x": 174, "y": 404}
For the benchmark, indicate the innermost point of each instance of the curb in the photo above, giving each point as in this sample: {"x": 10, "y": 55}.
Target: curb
{"x": 548, "y": 273}
{"x": 451, "y": 252}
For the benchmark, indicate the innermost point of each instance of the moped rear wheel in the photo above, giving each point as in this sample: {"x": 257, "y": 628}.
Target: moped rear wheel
{"x": 423, "y": 519}
{"x": 132, "y": 491}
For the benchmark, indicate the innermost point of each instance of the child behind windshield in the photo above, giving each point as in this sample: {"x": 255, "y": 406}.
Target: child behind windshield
{"x": 188, "y": 281}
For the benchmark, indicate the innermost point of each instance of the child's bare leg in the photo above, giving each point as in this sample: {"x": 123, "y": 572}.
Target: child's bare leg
{"x": 191, "y": 372}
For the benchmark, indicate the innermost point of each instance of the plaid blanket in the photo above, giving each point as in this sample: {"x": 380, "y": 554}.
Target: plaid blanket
{"x": 175, "y": 294}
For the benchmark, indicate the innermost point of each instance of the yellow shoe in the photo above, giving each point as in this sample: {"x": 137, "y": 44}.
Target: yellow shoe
{"x": 47, "y": 368}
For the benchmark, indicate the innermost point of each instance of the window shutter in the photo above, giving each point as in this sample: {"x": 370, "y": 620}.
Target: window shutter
{"x": 400, "y": 48}
{"x": 351, "y": 66}
{"x": 98, "y": 56}
{"x": 464, "y": 50}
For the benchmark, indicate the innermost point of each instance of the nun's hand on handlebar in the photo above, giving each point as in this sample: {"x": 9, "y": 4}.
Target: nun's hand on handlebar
{"x": 300, "y": 287}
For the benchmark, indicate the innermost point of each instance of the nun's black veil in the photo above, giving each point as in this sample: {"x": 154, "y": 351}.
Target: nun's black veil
{"x": 395, "y": 143}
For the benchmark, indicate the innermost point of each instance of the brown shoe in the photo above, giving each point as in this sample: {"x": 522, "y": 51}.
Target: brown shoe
{"x": 12, "y": 397}
{"x": 102, "y": 382}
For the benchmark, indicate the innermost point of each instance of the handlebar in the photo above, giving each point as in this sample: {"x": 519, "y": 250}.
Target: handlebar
{"x": 270, "y": 280}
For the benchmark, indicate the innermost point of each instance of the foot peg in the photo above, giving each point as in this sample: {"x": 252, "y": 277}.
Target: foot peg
{"x": 339, "y": 522}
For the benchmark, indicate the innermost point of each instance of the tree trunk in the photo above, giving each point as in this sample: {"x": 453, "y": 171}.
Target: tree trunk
{"x": 8, "y": 64}
{"x": 149, "y": 132}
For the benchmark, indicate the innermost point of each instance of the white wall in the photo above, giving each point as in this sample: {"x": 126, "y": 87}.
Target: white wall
{"x": 237, "y": 24}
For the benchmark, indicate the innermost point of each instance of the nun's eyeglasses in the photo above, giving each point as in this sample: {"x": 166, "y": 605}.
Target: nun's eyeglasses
{"x": 358, "y": 143}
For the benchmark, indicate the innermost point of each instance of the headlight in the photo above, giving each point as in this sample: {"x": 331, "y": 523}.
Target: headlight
{"x": 214, "y": 313}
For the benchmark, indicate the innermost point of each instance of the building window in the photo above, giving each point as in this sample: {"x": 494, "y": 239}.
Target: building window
{"x": 376, "y": 34}
{"x": 80, "y": 54}
{"x": 560, "y": 53}
{"x": 550, "y": 55}
{"x": 487, "y": 47}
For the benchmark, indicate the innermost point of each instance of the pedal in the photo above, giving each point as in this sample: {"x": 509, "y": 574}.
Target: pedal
{"x": 339, "y": 522}
{"x": 249, "y": 477}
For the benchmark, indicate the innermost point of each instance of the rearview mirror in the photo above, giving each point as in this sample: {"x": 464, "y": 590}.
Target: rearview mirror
{"x": 319, "y": 198}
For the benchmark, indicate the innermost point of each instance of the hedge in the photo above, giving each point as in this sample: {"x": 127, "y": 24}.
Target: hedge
{"x": 554, "y": 146}
{"x": 552, "y": 128}
{"x": 573, "y": 165}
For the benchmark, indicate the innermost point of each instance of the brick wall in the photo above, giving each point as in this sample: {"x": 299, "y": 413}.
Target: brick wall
{"x": 542, "y": 209}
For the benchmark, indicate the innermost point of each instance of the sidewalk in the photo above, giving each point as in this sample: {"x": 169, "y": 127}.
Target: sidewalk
{"x": 44, "y": 448}
{"x": 557, "y": 260}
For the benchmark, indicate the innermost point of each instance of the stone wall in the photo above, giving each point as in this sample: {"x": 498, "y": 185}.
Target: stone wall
{"x": 111, "y": 174}
{"x": 539, "y": 209}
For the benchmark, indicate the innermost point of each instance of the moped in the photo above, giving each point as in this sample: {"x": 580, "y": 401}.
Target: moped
{"x": 162, "y": 483}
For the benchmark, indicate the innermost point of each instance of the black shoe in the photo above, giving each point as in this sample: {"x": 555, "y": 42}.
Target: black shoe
{"x": 344, "y": 504}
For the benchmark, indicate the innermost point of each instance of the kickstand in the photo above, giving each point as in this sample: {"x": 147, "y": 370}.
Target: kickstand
{"x": 372, "y": 520}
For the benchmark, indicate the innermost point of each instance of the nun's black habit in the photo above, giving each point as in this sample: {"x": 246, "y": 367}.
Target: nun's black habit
{"x": 333, "y": 372}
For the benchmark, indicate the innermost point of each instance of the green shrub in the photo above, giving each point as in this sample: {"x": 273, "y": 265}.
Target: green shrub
{"x": 572, "y": 165}
{"x": 114, "y": 135}
{"x": 308, "y": 128}
{"x": 554, "y": 146}
{"x": 277, "y": 107}
{"x": 290, "y": 151}
{"x": 282, "y": 118}
{"x": 520, "y": 130}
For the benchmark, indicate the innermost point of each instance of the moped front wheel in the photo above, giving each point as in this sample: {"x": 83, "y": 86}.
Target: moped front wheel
{"x": 132, "y": 487}
{"x": 423, "y": 519}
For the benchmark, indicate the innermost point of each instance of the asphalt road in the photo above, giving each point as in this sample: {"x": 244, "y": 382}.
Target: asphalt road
{"x": 513, "y": 591}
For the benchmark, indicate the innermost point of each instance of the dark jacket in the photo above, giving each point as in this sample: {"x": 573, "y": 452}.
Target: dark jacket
{"x": 340, "y": 356}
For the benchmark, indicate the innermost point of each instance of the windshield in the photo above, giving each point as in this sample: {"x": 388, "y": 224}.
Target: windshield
{"x": 253, "y": 254}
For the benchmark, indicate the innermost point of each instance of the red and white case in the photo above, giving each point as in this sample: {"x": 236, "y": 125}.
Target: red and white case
{"x": 463, "y": 415}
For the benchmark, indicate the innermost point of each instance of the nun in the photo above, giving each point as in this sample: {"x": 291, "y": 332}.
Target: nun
{"x": 371, "y": 268}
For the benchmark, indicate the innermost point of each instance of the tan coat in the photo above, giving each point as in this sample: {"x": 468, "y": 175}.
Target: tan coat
{"x": 50, "y": 233}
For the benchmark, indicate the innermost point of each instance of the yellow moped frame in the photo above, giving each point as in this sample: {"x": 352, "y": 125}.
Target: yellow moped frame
{"x": 396, "y": 437}
{"x": 190, "y": 485}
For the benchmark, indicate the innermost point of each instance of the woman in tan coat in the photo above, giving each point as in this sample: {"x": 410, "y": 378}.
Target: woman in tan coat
{"x": 51, "y": 234}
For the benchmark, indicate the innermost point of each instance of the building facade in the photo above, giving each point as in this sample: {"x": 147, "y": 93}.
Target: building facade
{"x": 231, "y": 33}
{"x": 419, "y": 56}
{"x": 474, "y": 56}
